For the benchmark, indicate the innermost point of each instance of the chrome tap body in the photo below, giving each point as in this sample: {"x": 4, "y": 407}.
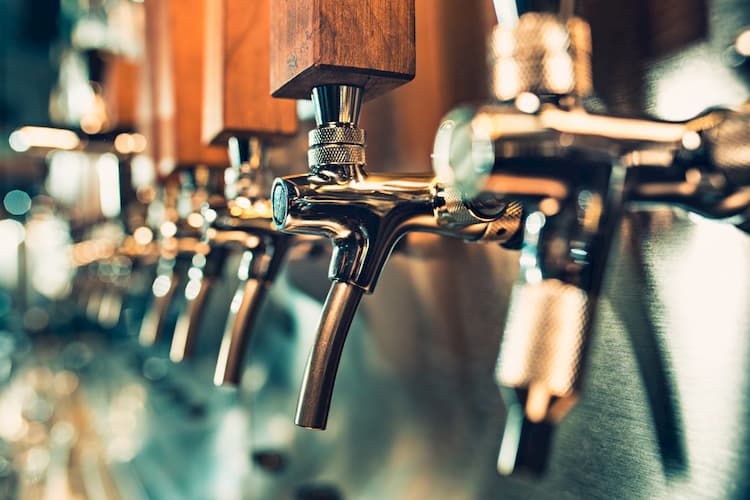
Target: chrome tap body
{"x": 364, "y": 215}
{"x": 710, "y": 175}
{"x": 264, "y": 250}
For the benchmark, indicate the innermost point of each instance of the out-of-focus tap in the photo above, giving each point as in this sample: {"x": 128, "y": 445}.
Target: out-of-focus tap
{"x": 537, "y": 144}
{"x": 247, "y": 220}
{"x": 249, "y": 121}
{"x": 364, "y": 215}
{"x": 709, "y": 175}
{"x": 205, "y": 268}
{"x": 175, "y": 54}
{"x": 180, "y": 243}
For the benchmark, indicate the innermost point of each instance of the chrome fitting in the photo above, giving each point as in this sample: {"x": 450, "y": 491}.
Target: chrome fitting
{"x": 337, "y": 145}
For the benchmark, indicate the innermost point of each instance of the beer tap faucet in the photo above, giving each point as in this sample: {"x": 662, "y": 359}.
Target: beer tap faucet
{"x": 174, "y": 45}
{"x": 265, "y": 248}
{"x": 538, "y": 145}
{"x": 180, "y": 243}
{"x": 709, "y": 175}
{"x": 363, "y": 214}
{"x": 239, "y": 112}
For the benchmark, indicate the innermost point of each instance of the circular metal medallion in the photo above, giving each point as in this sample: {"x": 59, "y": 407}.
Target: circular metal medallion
{"x": 279, "y": 198}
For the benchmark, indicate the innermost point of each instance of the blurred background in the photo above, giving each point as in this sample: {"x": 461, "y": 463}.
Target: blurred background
{"x": 92, "y": 199}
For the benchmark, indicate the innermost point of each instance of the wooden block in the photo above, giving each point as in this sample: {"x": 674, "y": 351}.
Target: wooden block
{"x": 157, "y": 114}
{"x": 178, "y": 34}
{"x": 368, "y": 44}
{"x": 237, "y": 100}
{"x": 120, "y": 88}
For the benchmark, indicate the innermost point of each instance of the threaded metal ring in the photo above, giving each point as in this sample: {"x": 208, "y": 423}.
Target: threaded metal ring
{"x": 336, "y": 135}
{"x": 333, "y": 154}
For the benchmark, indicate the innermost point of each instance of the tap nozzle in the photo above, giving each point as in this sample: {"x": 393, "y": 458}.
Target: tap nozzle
{"x": 258, "y": 268}
{"x": 203, "y": 274}
{"x": 320, "y": 373}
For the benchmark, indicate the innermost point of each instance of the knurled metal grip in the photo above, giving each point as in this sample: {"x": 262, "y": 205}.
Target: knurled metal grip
{"x": 453, "y": 211}
{"x": 504, "y": 228}
{"x": 542, "y": 55}
{"x": 729, "y": 147}
{"x": 335, "y": 154}
{"x": 336, "y": 141}
{"x": 336, "y": 145}
{"x": 543, "y": 342}
{"x": 336, "y": 135}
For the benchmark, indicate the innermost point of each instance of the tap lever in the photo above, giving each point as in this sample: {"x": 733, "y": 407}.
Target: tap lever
{"x": 370, "y": 46}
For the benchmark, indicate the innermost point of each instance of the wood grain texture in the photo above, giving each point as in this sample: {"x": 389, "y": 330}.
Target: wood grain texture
{"x": 178, "y": 34}
{"x": 237, "y": 99}
{"x": 369, "y": 44}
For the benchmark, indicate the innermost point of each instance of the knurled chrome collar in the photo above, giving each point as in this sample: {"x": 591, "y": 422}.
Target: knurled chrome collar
{"x": 336, "y": 145}
{"x": 543, "y": 55}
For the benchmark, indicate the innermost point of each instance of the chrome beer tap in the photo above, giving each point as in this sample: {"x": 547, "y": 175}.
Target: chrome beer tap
{"x": 709, "y": 175}
{"x": 205, "y": 270}
{"x": 538, "y": 144}
{"x": 364, "y": 215}
{"x": 248, "y": 220}
{"x": 180, "y": 242}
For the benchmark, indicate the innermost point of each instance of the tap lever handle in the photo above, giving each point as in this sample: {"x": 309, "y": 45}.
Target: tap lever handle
{"x": 175, "y": 34}
{"x": 539, "y": 367}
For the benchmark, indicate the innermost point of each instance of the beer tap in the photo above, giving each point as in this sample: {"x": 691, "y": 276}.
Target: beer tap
{"x": 238, "y": 112}
{"x": 180, "y": 243}
{"x": 364, "y": 215}
{"x": 174, "y": 46}
{"x": 264, "y": 251}
{"x": 204, "y": 272}
{"x": 709, "y": 175}
{"x": 538, "y": 144}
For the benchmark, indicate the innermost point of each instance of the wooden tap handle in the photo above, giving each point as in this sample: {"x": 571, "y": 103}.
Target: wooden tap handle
{"x": 365, "y": 43}
{"x": 237, "y": 100}
{"x": 120, "y": 89}
{"x": 174, "y": 44}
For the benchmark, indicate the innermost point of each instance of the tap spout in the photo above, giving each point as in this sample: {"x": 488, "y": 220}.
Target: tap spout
{"x": 245, "y": 303}
{"x": 258, "y": 269}
{"x": 320, "y": 373}
{"x": 203, "y": 274}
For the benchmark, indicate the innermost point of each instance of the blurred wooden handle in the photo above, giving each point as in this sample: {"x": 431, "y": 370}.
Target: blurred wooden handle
{"x": 237, "y": 100}
{"x": 175, "y": 31}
